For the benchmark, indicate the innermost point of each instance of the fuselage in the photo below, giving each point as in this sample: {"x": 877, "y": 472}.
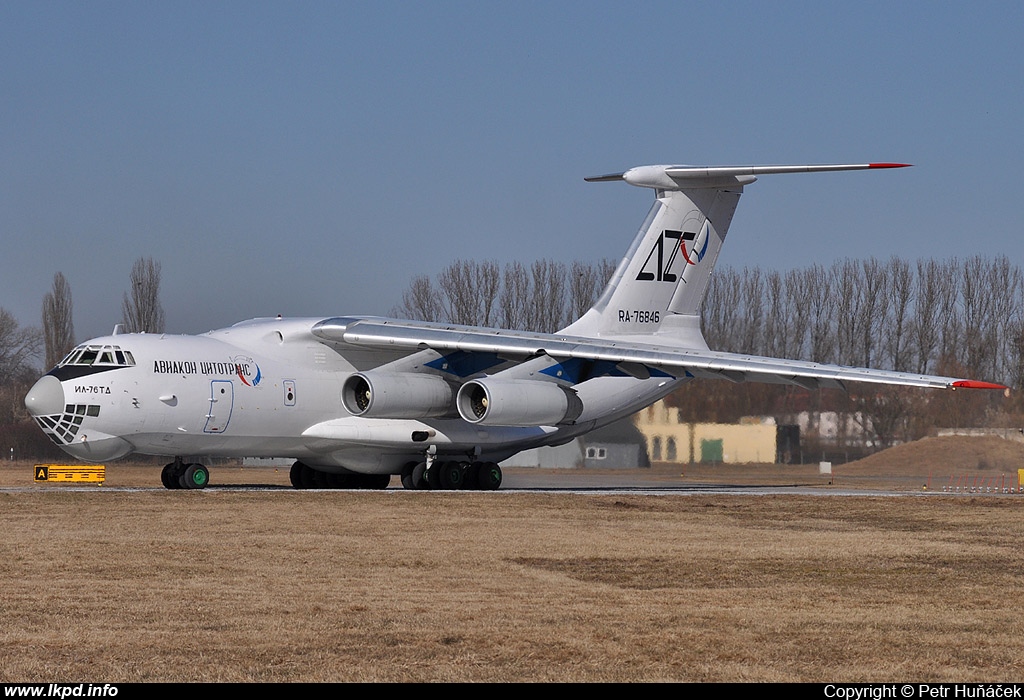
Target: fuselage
{"x": 269, "y": 388}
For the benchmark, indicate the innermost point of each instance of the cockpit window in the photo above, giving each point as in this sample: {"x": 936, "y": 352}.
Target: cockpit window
{"x": 98, "y": 355}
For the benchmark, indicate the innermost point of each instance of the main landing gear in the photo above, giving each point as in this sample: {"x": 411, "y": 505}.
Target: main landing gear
{"x": 451, "y": 475}
{"x": 440, "y": 475}
{"x": 178, "y": 475}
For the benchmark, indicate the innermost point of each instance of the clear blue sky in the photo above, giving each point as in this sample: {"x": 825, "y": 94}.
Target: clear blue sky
{"x": 310, "y": 158}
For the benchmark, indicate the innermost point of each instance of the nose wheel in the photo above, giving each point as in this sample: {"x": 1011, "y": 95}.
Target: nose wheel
{"x": 179, "y": 475}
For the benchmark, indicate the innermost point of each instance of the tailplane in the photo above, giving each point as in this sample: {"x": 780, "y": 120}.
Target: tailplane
{"x": 659, "y": 287}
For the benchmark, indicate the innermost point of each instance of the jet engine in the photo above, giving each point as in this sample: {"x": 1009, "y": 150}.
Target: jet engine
{"x": 517, "y": 403}
{"x": 397, "y": 395}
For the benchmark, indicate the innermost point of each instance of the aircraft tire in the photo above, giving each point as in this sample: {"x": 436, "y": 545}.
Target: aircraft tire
{"x": 489, "y": 476}
{"x": 471, "y": 476}
{"x": 307, "y": 477}
{"x": 407, "y": 470}
{"x": 451, "y": 475}
{"x": 433, "y": 477}
{"x": 168, "y": 477}
{"x": 334, "y": 481}
{"x": 322, "y": 480}
{"x": 302, "y": 476}
{"x": 295, "y": 475}
{"x": 467, "y": 471}
{"x": 419, "y": 477}
{"x": 195, "y": 476}
{"x": 174, "y": 475}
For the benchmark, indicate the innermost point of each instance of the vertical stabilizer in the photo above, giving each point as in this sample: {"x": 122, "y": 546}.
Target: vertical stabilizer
{"x": 660, "y": 285}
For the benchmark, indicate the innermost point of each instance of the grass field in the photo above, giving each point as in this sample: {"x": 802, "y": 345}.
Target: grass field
{"x": 281, "y": 585}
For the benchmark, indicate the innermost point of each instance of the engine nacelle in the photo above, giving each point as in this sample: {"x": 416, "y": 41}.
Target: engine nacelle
{"x": 517, "y": 403}
{"x": 397, "y": 395}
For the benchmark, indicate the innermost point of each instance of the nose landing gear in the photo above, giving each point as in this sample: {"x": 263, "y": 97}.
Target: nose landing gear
{"x": 179, "y": 475}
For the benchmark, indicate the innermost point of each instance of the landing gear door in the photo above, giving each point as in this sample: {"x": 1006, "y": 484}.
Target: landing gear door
{"x": 222, "y": 399}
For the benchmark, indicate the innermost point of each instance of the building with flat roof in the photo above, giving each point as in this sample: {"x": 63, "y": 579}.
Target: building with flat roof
{"x": 671, "y": 440}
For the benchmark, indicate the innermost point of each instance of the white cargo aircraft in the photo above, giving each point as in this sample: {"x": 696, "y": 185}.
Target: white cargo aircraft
{"x": 354, "y": 399}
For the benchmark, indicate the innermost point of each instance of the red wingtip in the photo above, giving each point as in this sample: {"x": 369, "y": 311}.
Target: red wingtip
{"x": 972, "y": 384}
{"x": 889, "y": 165}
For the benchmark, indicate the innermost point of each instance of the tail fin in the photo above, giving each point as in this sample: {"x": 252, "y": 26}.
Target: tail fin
{"x": 660, "y": 285}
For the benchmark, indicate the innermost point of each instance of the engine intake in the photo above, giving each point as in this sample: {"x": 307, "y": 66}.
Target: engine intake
{"x": 517, "y": 403}
{"x": 397, "y": 395}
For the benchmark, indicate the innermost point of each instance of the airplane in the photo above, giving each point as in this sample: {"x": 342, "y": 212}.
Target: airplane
{"x": 355, "y": 400}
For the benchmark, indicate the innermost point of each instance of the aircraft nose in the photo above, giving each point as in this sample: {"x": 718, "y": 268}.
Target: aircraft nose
{"x": 46, "y": 397}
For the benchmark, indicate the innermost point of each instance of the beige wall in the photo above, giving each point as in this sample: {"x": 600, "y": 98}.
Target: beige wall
{"x": 668, "y": 440}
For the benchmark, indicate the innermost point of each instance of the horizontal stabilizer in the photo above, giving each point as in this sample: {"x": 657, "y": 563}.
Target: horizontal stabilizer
{"x": 681, "y": 177}
{"x": 605, "y": 178}
{"x": 678, "y": 172}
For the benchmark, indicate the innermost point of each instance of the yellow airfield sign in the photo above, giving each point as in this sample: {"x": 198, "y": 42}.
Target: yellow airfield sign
{"x": 71, "y": 473}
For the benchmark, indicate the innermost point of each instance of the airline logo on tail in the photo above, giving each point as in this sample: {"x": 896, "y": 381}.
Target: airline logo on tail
{"x": 697, "y": 239}
{"x": 662, "y": 265}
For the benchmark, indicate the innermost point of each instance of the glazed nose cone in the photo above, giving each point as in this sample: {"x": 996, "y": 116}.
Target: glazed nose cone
{"x": 46, "y": 397}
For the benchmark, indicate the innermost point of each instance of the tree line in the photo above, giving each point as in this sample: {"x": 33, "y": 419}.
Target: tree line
{"x": 955, "y": 317}
{"x": 544, "y": 296}
{"x": 928, "y": 317}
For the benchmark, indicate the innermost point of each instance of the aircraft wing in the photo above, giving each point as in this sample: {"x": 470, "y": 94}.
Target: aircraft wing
{"x": 636, "y": 359}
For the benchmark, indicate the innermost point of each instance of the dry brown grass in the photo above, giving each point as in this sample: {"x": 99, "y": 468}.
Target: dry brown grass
{"x": 221, "y": 585}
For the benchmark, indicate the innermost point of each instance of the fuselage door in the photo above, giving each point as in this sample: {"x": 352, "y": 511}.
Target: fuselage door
{"x": 222, "y": 399}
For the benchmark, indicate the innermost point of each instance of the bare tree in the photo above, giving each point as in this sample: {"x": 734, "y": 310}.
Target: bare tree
{"x": 548, "y": 302}
{"x": 901, "y": 296}
{"x": 141, "y": 309}
{"x": 468, "y": 291}
{"x": 1006, "y": 283}
{"x": 978, "y": 297}
{"x": 874, "y": 309}
{"x": 420, "y": 302}
{"x": 950, "y": 316}
{"x": 817, "y": 293}
{"x": 887, "y": 413}
{"x": 58, "y": 327}
{"x": 796, "y": 316}
{"x": 488, "y": 286}
{"x": 515, "y": 297}
{"x": 751, "y": 320}
{"x": 1014, "y": 371}
{"x": 586, "y": 282}
{"x": 544, "y": 296}
{"x": 924, "y": 323}
{"x": 720, "y": 317}
{"x": 775, "y": 321}
{"x": 848, "y": 293}
{"x": 18, "y": 347}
